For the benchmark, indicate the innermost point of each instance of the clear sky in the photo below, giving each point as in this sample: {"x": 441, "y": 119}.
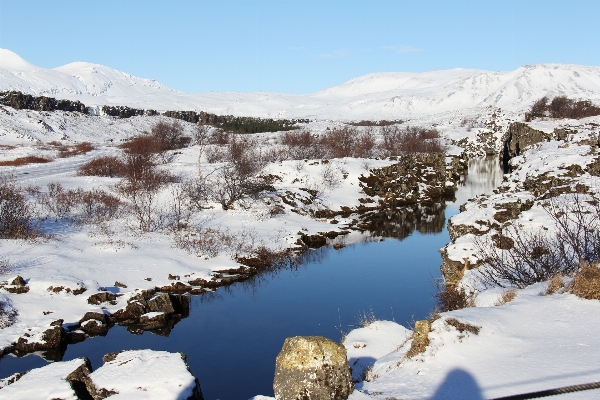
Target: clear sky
{"x": 297, "y": 46}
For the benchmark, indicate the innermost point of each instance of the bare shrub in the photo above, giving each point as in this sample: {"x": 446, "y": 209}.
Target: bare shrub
{"x": 99, "y": 206}
{"x": 24, "y": 161}
{"x": 451, "y": 297}
{"x": 339, "y": 143}
{"x": 301, "y": 145}
{"x": 240, "y": 177}
{"x": 413, "y": 139}
{"x": 539, "y": 257}
{"x": 15, "y": 212}
{"x": 205, "y": 243}
{"x": 219, "y": 137}
{"x": 535, "y": 257}
{"x": 330, "y": 176}
{"x": 586, "y": 283}
{"x": 108, "y": 166}
{"x": 215, "y": 154}
{"x": 561, "y": 107}
{"x": 169, "y": 135}
{"x": 4, "y": 266}
{"x": 75, "y": 150}
{"x": 141, "y": 191}
{"x": 180, "y": 211}
{"x": 196, "y": 192}
{"x": 506, "y": 296}
{"x": 59, "y": 201}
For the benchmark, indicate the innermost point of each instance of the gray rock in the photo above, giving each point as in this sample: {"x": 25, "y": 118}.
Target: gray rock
{"x": 102, "y": 297}
{"x": 312, "y": 368}
{"x": 161, "y": 303}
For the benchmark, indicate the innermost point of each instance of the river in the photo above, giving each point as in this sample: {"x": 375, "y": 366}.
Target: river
{"x": 232, "y": 336}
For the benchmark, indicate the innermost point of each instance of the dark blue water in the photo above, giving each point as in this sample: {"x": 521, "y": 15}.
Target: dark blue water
{"x": 232, "y": 337}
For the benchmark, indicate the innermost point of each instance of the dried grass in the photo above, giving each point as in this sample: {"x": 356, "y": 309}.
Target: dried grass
{"x": 555, "y": 284}
{"x": 463, "y": 327}
{"x": 507, "y": 296}
{"x": 586, "y": 283}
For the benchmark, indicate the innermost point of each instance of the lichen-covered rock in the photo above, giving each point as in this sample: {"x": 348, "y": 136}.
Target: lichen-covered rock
{"x": 420, "y": 339}
{"x": 312, "y": 368}
{"x": 416, "y": 178}
{"x": 161, "y": 303}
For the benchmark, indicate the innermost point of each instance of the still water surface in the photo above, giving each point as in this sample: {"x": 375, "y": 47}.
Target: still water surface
{"x": 232, "y": 337}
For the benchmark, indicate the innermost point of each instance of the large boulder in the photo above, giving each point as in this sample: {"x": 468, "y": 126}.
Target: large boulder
{"x": 144, "y": 374}
{"x": 161, "y": 303}
{"x": 312, "y": 367}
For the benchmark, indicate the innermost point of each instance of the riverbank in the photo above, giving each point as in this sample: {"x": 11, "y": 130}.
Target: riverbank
{"x": 522, "y": 337}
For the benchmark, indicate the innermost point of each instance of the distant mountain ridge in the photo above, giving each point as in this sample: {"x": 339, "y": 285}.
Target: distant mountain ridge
{"x": 390, "y": 95}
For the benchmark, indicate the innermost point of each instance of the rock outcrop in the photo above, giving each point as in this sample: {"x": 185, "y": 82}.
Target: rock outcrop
{"x": 312, "y": 368}
{"x": 416, "y": 178}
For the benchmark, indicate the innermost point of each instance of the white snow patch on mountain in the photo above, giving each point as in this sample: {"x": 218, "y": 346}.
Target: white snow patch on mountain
{"x": 391, "y": 95}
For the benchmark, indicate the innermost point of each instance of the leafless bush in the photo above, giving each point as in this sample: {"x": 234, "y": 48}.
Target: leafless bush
{"x": 215, "y": 154}
{"x": 15, "y": 212}
{"x": 59, "y": 201}
{"x": 413, "y": 139}
{"x": 196, "y": 192}
{"x": 24, "y": 160}
{"x": 74, "y": 150}
{"x": 561, "y": 107}
{"x": 141, "y": 192}
{"x": 535, "y": 257}
{"x": 301, "y": 145}
{"x": 170, "y": 135}
{"x": 99, "y": 206}
{"x": 331, "y": 177}
{"x": 180, "y": 208}
{"x": 240, "y": 177}
{"x": 4, "y": 266}
{"x": 451, "y": 297}
{"x": 540, "y": 256}
{"x": 108, "y": 166}
{"x": 219, "y": 137}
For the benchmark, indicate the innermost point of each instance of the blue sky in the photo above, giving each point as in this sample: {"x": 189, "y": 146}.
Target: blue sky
{"x": 297, "y": 46}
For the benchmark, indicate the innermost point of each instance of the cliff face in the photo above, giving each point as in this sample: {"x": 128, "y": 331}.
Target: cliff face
{"x": 20, "y": 101}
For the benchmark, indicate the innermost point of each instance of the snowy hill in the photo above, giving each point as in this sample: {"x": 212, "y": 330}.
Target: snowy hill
{"x": 374, "y": 96}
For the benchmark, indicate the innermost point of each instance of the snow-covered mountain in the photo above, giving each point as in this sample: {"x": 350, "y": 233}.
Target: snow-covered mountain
{"x": 392, "y": 95}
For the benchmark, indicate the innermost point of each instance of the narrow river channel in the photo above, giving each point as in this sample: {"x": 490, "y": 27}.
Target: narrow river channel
{"x": 231, "y": 337}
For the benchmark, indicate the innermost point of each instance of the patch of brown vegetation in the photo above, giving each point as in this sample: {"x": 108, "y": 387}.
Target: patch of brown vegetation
{"x": 586, "y": 283}
{"x": 463, "y": 326}
{"x": 17, "y": 162}
{"x": 506, "y": 297}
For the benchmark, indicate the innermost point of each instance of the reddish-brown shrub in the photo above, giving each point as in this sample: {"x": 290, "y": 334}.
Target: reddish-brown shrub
{"x": 24, "y": 160}
{"x": 70, "y": 151}
{"x": 15, "y": 213}
{"x": 109, "y": 166}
